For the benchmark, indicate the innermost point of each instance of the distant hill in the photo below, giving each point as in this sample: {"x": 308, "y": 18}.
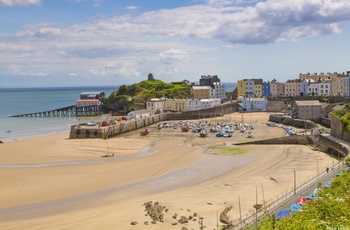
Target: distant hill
{"x": 135, "y": 96}
{"x": 129, "y": 97}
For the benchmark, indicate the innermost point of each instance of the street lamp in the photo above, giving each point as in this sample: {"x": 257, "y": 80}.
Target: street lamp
{"x": 201, "y": 222}
{"x": 295, "y": 183}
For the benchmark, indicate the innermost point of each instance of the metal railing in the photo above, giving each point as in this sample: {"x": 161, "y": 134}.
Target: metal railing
{"x": 253, "y": 217}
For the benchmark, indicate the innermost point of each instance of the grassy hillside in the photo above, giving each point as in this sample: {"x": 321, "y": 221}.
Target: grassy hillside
{"x": 137, "y": 94}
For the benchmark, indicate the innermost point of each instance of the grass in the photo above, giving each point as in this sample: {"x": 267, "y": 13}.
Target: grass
{"x": 227, "y": 150}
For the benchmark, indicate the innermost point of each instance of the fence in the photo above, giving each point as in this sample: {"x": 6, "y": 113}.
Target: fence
{"x": 253, "y": 217}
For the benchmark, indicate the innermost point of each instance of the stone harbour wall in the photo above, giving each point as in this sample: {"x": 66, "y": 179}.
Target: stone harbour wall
{"x": 81, "y": 132}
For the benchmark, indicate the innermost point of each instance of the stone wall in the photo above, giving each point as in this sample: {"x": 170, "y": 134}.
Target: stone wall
{"x": 298, "y": 123}
{"x": 133, "y": 124}
{"x": 326, "y": 122}
{"x": 337, "y": 129}
{"x": 290, "y": 140}
{"x": 326, "y": 143}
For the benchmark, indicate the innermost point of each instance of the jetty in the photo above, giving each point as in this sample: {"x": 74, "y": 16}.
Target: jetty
{"x": 69, "y": 111}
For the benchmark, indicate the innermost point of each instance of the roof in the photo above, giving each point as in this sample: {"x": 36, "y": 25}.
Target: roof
{"x": 256, "y": 99}
{"x": 338, "y": 107}
{"x": 201, "y": 87}
{"x": 91, "y": 93}
{"x": 275, "y": 103}
{"x": 88, "y": 100}
{"x": 140, "y": 111}
{"x": 308, "y": 103}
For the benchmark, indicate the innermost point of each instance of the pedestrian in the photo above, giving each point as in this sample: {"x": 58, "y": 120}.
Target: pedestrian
{"x": 327, "y": 169}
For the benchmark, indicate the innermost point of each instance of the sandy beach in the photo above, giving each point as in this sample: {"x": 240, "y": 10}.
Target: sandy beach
{"x": 53, "y": 182}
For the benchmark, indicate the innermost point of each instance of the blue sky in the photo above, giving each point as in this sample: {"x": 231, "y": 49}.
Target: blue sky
{"x": 113, "y": 42}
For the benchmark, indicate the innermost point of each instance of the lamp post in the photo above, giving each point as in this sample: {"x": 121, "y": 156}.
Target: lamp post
{"x": 295, "y": 183}
{"x": 201, "y": 222}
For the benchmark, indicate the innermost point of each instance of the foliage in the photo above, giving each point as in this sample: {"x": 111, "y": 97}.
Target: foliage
{"x": 345, "y": 118}
{"x": 330, "y": 210}
{"x": 322, "y": 98}
{"x": 138, "y": 93}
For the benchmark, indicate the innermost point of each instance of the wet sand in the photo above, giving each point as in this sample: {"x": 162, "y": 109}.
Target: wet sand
{"x": 56, "y": 183}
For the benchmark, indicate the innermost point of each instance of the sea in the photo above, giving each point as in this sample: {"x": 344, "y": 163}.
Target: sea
{"x": 16, "y": 101}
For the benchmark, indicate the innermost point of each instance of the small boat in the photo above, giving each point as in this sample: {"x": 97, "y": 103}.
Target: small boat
{"x": 250, "y": 135}
{"x": 91, "y": 123}
{"x": 185, "y": 129}
{"x": 203, "y": 133}
{"x": 8, "y": 131}
{"x": 144, "y": 132}
{"x": 108, "y": 155}
{"x": 220, "y": 134}
{"x": 227, "y": 135}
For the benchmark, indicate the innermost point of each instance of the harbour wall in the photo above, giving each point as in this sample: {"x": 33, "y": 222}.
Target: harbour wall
{"x": 82, "y": 132}
{"x": 323, "y": 142}
{"x": 291, "y": 140}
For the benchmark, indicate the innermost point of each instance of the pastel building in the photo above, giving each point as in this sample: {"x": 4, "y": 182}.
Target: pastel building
{"x": 155, "y": 105}
{"x": 254, "y": 104}
{"x": 219, "y": 90}
{"x": 296, "y": 87}
{"x": 241, "y": 88}
{"x": 246, "y": 87}
{"x": 266, "y": 89}
{"x": 175, "y": 105}
{"x": 258, "y": 91}
{"x": 276, "y": 88}
{"x": 200, "y": 92}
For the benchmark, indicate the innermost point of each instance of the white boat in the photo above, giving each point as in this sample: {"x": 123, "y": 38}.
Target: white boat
{"x": 250, "y": 135}
{"x": 91, "y": 123}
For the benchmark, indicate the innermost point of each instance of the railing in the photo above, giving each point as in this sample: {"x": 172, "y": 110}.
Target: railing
{"x": 253, "y": 217}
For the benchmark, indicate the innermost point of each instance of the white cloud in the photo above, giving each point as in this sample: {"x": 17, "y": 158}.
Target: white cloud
{"x": 12, "y": 3}
{"x": 158, "y": 41}
{"x": 131, "y": 7}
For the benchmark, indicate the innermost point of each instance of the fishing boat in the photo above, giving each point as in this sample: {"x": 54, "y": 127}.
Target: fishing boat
{"x": 220, "y": 134}
{"x": 227, "y": 135}
{"x": 144, "y": 132}
{"x": 185, "y": 128}
{"x": 203, "y": 133}
{"x": 250, "y": 135}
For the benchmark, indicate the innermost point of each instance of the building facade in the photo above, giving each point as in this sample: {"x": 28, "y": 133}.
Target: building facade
{"x": 254, "y": 104}
{"x": 200, "y": 92}
{"x": 219, "y": 90}
{"x": 307, "y": 110}
{"x": 175, "y": 105}
{"x": 208, "y": 80}
{"x": 155, "y": 105}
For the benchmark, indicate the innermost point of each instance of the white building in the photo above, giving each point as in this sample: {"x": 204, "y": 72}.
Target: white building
{"x": 193, "y": 104}
{"x": 204, "y": 103}
{"x": 155, "y": 105}
{"x": 215, "y": 102}
{"x": 219, "y": 90}
{"x": 197, "y": 104}
{"x": 319, "y": 88}
{"x": 254, "y": 104}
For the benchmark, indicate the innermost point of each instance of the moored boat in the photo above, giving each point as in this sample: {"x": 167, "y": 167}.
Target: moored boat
{"x": 144, "y": 132}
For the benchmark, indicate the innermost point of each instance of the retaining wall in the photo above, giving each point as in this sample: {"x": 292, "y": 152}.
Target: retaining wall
{"x": 81, "y": 132}
{"x": 298, "y": 123}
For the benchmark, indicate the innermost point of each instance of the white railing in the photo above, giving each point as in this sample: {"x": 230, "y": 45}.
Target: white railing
{"x": 253, "y": 217}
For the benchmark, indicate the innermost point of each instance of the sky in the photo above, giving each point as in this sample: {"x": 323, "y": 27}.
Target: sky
{"x": 46, "y": 43}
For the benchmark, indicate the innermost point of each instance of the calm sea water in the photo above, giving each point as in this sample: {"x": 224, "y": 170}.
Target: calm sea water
{"x": 30, "y": 100}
